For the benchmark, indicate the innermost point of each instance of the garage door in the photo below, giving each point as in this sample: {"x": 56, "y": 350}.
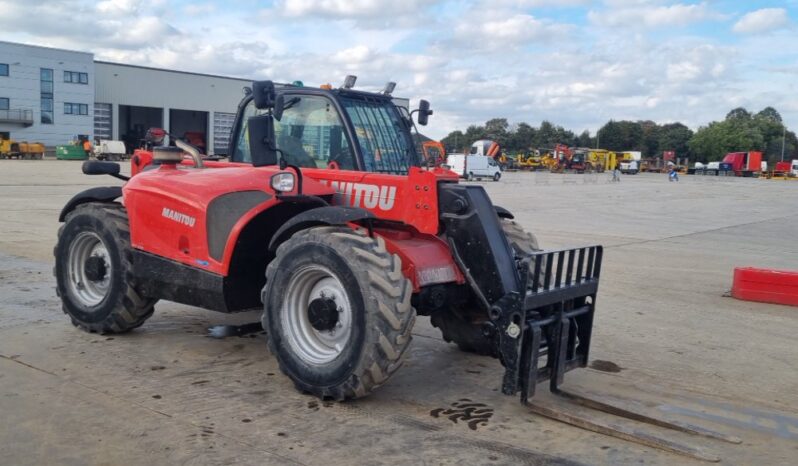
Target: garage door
{"x": 102, "y": 121}
{"x": 222, "y": 127}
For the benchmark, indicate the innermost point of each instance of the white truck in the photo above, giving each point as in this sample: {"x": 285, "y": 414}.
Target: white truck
{"x": 108, "y": 149}
{"x": 630, "y": 168}
{"x": 472, "y": 167}
{"x": 631, "y": 164}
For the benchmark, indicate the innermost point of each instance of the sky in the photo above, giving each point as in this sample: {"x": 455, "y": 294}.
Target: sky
{"x": 573, "y": 62}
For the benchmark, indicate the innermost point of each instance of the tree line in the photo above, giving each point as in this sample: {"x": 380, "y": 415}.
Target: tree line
{"x": 740, "y": 131}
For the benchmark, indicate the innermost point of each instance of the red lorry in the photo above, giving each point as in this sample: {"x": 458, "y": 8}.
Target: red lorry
{"x": 744, "y": 163}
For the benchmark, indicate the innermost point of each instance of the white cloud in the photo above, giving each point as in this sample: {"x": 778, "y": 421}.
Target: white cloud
{"x": 197, "y": 9}
{"x": 762, "y": 21}
{"x": 503, "y": 32}
{"x": 645, "y": 14}
{"x": 118, "y": 7}
{"x": 472, "y": 62}
{"x": 348, "y": 9}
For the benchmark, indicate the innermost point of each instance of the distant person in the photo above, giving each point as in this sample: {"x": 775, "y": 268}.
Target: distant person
{"x": 616, "y": 173}
{"x": 87, "y": 147}
{"x": 673, "y": 175}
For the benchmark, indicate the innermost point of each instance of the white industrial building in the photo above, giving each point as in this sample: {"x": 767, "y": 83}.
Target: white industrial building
{"x": 39, "y": 100}
{"x": 54, "y": 96}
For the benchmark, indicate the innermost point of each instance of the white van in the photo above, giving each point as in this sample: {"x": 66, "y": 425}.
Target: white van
{"x": 474, "y": 166}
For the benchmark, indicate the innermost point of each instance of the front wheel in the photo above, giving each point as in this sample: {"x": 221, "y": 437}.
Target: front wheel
{"x": 337, "y": 311}
{"x": 94, "y": 271}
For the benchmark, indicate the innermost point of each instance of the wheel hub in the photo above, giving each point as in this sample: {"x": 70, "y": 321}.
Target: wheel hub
{"x": 89, "y": 269}
{"x": 317, "y": 315}
{"x": 95, "y": 268}
{"x": 323, "y": 314}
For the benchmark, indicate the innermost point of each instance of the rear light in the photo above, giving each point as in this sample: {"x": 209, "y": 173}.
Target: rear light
{"x": 283, "y": 182}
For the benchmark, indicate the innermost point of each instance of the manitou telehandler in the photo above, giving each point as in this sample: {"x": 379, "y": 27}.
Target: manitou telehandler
{"x": 325, "y": 220}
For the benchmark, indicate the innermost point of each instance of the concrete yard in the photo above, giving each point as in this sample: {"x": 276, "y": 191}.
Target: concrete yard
{"x": 168, "y": 394}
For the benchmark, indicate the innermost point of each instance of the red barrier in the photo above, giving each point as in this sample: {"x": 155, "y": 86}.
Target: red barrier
{"x": 765, "y": 285}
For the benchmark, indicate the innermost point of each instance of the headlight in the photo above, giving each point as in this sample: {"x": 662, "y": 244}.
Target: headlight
{"x": 283, "y": 182}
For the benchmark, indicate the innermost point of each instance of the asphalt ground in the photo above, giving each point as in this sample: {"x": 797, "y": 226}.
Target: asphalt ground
{"x": 667, "y": 341}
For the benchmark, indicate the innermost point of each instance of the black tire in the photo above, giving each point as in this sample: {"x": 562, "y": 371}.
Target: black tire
{"x": 464, "y": 327}
{"x": 122, "y": 308}
{"x": 378, "y": 295}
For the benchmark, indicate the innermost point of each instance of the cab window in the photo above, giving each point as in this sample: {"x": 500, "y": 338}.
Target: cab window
{"x": 241, "y": 151}
{"x": 309, "y": 134}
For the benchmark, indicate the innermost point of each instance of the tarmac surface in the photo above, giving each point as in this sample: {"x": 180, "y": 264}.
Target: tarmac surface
{"x": 666, "y": 341}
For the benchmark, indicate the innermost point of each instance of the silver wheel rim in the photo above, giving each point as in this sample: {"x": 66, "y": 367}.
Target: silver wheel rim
{"x": 311, "y": 345}
{"x": 89, "y": 292}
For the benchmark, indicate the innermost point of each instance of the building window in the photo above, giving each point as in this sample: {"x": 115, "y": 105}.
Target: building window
{"x": 3, "y": 103}
{"x": 3, "y": 69}
{"x": 76, "y": 109}
{"x": 46, "y": 77}
{"x": 102, "y": 121}
{"x": 76, "y": 78}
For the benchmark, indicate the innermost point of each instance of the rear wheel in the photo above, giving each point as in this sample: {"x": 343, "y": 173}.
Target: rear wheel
{"x": 94, "y": 271}
{"x": 337, "y": 311}
{"x": 463, "y": 327}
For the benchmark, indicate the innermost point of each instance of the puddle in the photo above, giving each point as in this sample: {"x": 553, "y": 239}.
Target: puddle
{"x": 471, "y": 413}
{"x": 605, "y": 366}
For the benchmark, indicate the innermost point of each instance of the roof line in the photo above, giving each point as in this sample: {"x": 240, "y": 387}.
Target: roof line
{"x": 22, "y": 44}
{"x": 207, "y": 75}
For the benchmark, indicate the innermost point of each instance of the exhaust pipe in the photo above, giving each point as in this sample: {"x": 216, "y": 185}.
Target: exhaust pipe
{"x": 192, "y": 151}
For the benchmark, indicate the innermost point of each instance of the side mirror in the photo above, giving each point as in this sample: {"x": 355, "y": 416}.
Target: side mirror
{"x": 261, "y": 140}
{"x": 263, "y": 94}
{"x": 423, "y": 112}
{"x": 93, "y": 167}
{"x": 279, "y": 105}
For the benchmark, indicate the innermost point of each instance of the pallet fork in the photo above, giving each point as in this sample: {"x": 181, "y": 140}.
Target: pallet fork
{"x": 557, "y": 315}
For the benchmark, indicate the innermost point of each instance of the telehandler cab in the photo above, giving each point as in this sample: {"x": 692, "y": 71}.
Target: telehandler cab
{"x": 326, "y": 219}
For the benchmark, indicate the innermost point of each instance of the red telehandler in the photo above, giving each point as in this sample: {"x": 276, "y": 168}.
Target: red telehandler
{"x": 326, "y": 221}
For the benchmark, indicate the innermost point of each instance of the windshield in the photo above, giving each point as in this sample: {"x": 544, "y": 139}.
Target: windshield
{"x": 381, "y": 134}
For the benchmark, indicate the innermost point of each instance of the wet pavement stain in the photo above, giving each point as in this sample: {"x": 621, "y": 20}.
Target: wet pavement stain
{"x": 472, "y": 413}
{"x": 605, "y": 366}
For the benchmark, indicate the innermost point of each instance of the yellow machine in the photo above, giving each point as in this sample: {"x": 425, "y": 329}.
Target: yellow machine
{"x": 602, "y": 159}
{"x": 5, "y": 148}
{"x": 550, "y": 162}
{"x": 10, "y": 149}
{"x": 529, "y": 160}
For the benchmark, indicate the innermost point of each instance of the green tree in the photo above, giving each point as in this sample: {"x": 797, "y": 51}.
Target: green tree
{"x": 738, "y": 113}
{"x": 522, "y": 138}
{"x": 618, "y": 136}
{"x": 584, "y": 139}
{"x": 675, "y": 136}
{"x": 769, "y": 113}
{"x": 454, "y": 141}
{"x": 496, "y": 129}
{"x": 649, "y": 144}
